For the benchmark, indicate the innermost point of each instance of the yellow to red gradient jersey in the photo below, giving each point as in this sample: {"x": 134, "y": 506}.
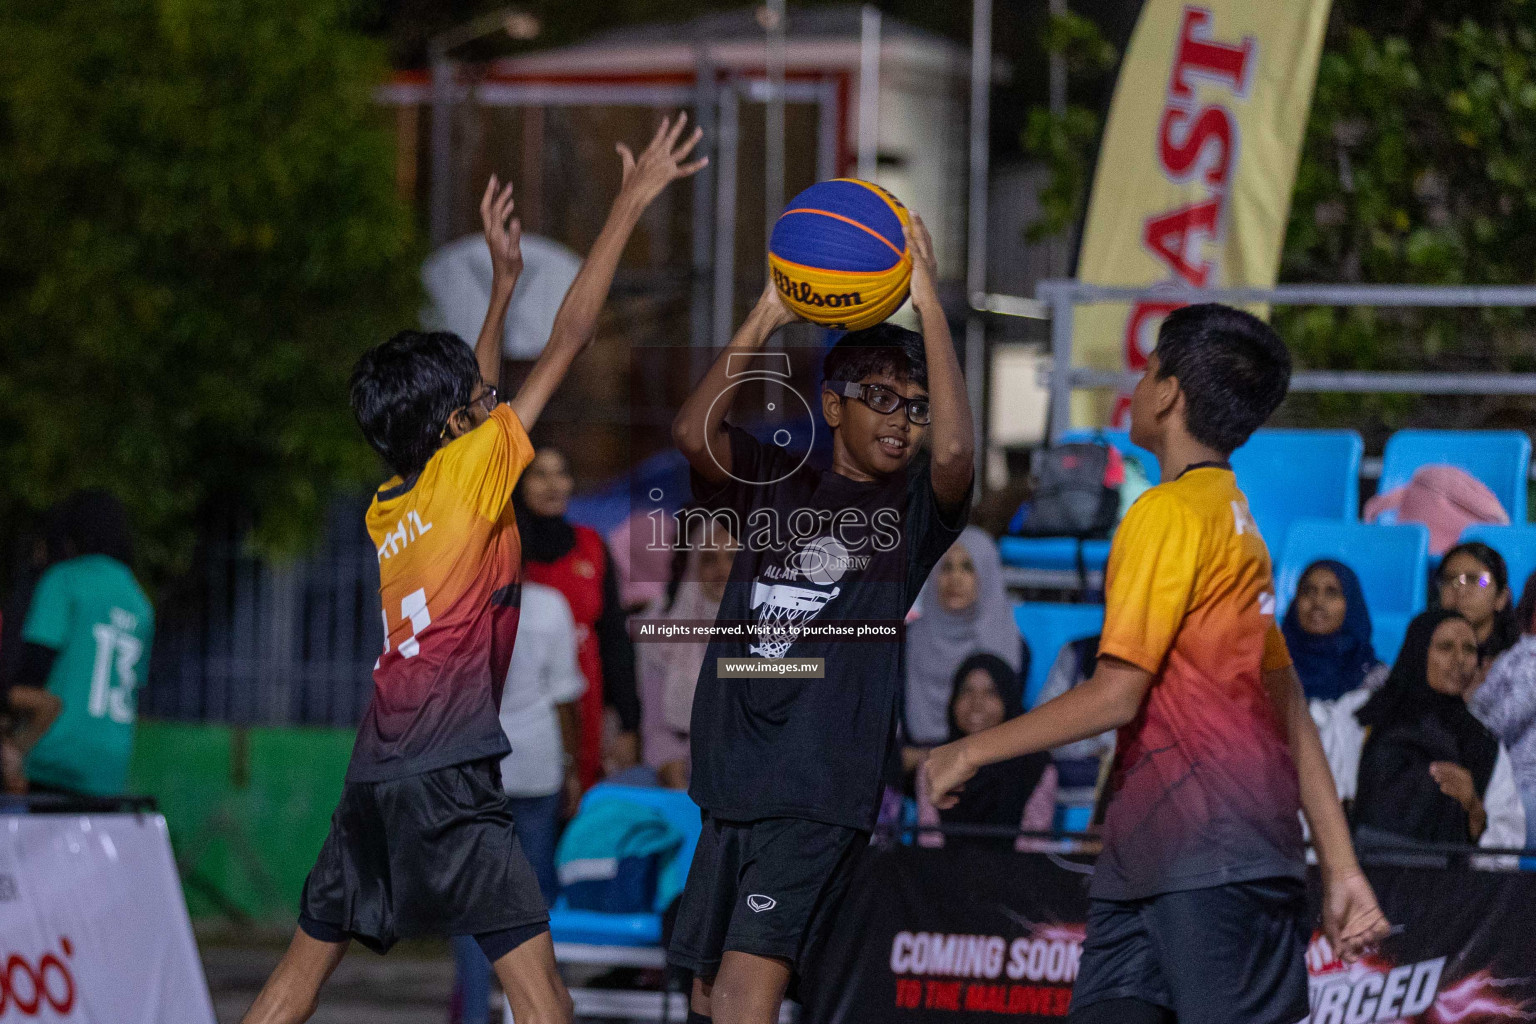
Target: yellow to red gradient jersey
{"x": 449, "y": 579}
{"x": 1204, "y": 791}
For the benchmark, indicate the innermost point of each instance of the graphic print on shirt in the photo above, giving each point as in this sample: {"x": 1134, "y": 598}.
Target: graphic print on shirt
{"x": 781, "y": 610}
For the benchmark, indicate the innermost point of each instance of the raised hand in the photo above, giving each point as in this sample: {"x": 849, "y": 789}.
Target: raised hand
{"x": 772, "y": 310}
{"x": 660, "y": 163}
{"x": 925, "y": 269}
{"x": 503, "y": 232}
{"x": 1352, "y": 919}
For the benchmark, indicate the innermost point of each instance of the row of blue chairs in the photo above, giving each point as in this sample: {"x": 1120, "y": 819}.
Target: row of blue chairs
{"x": 1290, "y": 475}
{"x": 1391, "y": 561}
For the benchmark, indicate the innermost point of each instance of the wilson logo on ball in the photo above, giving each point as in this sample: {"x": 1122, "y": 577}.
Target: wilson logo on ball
{"x": 803, "y": 292}
{"x": 839, "y": 254}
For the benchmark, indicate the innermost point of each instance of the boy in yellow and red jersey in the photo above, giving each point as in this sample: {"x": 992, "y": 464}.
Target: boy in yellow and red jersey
{"x": 423, "y": 840}
{"x": 1197, "y": 911}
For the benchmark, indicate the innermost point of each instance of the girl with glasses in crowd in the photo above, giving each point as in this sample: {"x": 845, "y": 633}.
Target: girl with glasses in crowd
{"x": 1474, "y": 581}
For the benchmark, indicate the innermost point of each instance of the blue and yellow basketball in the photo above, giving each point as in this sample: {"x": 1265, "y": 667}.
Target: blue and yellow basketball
{"x": 839, "y": 254}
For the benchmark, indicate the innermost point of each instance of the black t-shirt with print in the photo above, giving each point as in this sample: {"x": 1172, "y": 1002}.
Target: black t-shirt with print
{"x": 817, "y": 548}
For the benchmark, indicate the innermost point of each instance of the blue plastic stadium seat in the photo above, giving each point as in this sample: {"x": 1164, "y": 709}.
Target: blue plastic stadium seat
{"x": 1048, "y": 627}
{"x": 1518, "y": 546}
{"x": 1052, "y": 553}
{"x": 1499, "y": 458}
{"x": 595, "y": 928}
{"x": 1296, "y": 474}
{"x": 1391, "y": 562}
{"x": 1387, "y": 632}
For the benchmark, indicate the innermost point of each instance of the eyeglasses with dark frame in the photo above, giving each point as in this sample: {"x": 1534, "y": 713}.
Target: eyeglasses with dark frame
{"x": 883, "y": 400}
{"x": 487, "y": 400}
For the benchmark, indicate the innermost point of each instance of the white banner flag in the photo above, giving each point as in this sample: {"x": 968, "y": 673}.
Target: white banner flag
{"x": 93, "y": 926}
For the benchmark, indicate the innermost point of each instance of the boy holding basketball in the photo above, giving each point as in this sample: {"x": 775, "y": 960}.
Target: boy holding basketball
{"x": 423, "y": 840}
{"x": 788, "y": 768}
{"x": 1197, "y": 911}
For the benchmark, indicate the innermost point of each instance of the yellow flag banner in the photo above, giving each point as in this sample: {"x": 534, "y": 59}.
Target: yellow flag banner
{"x": 1194, "y": 177}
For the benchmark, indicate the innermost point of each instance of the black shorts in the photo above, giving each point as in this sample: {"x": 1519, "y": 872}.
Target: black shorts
{"x": 1230, "y": 954}
{"x": 770, "y": 887}
{"x": 429, "y": 854}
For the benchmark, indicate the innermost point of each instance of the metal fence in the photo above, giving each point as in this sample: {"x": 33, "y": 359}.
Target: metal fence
{"x": 272, "y": 644}
{"x": 1058, "y": 299}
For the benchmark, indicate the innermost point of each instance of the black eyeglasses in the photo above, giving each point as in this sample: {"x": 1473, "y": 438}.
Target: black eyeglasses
{"x": 883, "y": 400}
{"x": 486, "y": 400}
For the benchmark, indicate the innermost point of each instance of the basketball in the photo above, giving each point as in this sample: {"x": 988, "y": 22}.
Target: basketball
{"x": 839, "y": 256}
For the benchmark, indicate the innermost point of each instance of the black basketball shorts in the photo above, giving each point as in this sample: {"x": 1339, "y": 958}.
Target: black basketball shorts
{"x": 770, "y": 887}
{"x": 429, "y": 854}
{"x": 1229, "y": 954}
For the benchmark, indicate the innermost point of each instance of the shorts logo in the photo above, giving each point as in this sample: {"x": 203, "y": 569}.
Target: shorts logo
{"x": 761, "y": 903}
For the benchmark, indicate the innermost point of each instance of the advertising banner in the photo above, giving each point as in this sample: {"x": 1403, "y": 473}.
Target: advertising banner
{"x": 956, "y": 935}
{"x": 1194, "y": 175}
{"x": 93, "y": 927}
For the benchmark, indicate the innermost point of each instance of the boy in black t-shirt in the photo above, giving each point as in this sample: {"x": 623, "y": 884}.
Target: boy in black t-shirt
{"x": 786, "y": 768}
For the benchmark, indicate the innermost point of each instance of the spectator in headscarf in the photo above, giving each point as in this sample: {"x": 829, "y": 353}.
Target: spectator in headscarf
{"x": 1020, "y": 793}
{"x": 669, "y": 670}
{"x": 1506, "y": 704}
{"x": 1327, "y": 629}
{"x": 1429, "y": 771}
{"x": 575, "y": 561}
{"x": 965, "y": 611}
{"x": 1474, "y": 580}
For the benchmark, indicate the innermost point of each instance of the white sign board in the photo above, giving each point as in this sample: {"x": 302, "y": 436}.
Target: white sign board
{"x": 93, "y": 926}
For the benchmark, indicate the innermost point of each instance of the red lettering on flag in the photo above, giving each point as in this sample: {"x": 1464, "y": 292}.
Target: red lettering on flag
{"x": 1176, "y": 238}
{"x": 1201, "y": 57}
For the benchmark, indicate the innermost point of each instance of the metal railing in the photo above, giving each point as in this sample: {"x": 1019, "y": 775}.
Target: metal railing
{"x": 1058, "y": 298}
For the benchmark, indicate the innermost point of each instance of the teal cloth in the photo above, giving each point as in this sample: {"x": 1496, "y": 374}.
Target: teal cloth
{"x": 618, "y": 828}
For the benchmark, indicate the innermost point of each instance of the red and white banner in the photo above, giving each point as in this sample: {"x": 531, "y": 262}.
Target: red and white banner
{"x": 1194, "y": 176}
{"x": 966, "y": 935}
{"x": 93, "y": 926}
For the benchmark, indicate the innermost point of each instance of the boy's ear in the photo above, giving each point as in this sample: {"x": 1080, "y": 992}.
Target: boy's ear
{"x": 831, "y": 408}
{"x": 1168, "y": 394}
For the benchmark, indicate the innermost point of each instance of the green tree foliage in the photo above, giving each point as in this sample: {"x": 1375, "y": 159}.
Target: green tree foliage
{"x": 1066, "y": 141}
{"x": 1418, "y": 166}
{"x": 201, "y": 233}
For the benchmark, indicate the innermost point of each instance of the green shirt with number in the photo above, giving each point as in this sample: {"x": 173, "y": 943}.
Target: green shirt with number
{"x": 94, "y": 613}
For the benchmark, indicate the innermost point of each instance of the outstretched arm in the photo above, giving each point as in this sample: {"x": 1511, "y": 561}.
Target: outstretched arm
{"x": 951, "y": 434}
{"x": 504, "y": 237}
{"x": 1351, "y": 917}
{"x": 1107, "y": 701}
{"x": 700, "y": 423}
{"x": 644, "y": 179}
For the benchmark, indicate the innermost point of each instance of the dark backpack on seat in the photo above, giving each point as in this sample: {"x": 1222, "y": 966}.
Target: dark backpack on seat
{"x": 1076, "y": 492}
